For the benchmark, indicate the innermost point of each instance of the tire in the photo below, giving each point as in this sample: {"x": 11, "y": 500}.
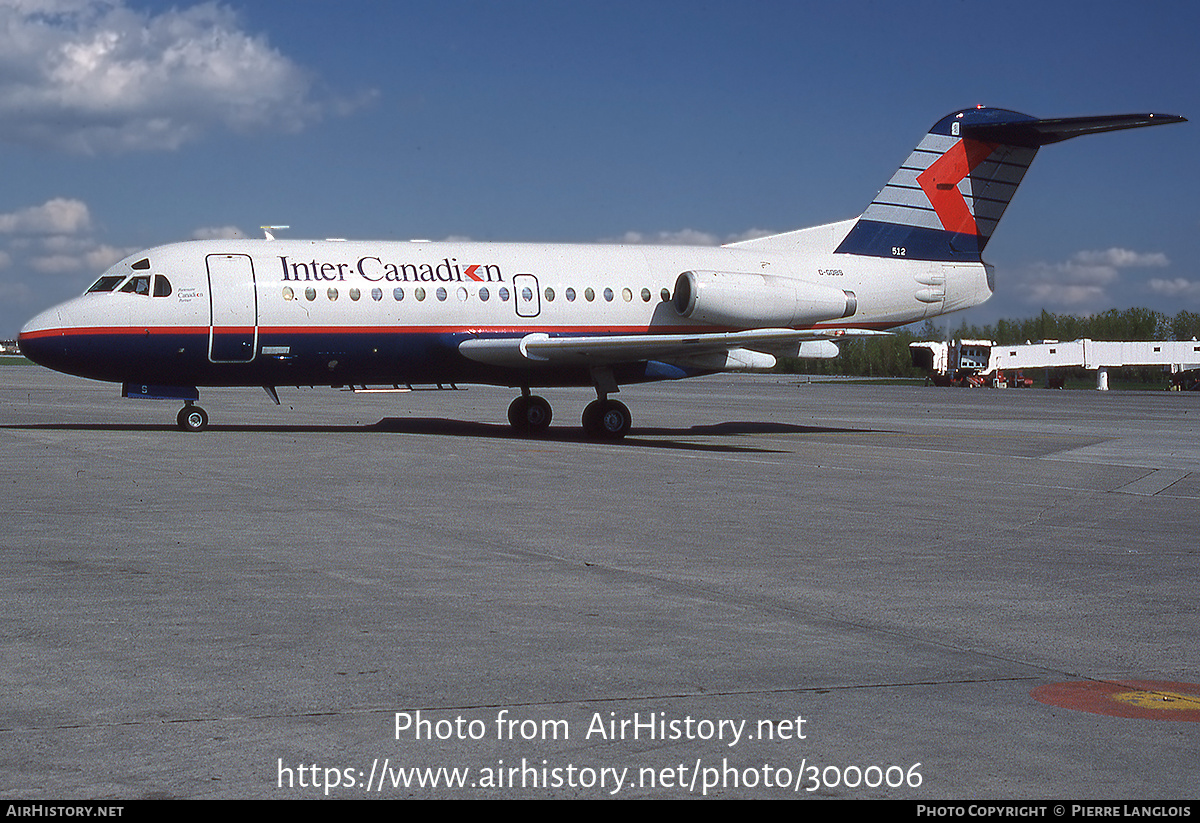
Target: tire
{"x": 530, "y": 415}
{"x": 607, "y": 419}
{"x": 192, "y": 419}
{"x": 591, "y": 420}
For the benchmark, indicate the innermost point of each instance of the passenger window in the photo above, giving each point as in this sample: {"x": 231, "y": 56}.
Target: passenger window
{"x": 162, "y": 286}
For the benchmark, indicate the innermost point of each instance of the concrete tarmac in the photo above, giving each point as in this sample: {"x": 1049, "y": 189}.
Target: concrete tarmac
{"x": 772, "y": 588}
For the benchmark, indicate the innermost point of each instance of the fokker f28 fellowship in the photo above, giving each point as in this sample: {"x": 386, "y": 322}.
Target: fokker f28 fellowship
{"x": 270, "y": 313}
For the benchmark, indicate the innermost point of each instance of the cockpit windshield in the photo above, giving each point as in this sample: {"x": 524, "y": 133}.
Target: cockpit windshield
{"x": 137, "y": 284}
{"x": 106, "y": 283}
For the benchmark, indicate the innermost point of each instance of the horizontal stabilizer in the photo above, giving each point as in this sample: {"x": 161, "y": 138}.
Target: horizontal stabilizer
{"x": 1035, "y": 133}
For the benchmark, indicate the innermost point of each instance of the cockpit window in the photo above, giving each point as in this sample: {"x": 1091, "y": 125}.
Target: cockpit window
{"x": 139, "y": 284}
{"x": 106, "y": 283}
{"x": 141, "y": 265}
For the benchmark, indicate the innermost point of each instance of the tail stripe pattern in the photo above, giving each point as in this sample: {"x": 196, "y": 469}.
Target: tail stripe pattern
{"x": 945, "y": 201}
{"x": 951, "y": 193}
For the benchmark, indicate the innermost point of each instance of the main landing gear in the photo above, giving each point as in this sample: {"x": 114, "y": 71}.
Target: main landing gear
{"x": 603, "y": 419}
{"x": 192, "y": 418}
{"x": 606, "y": 419}
{"x": 530, "y": 414}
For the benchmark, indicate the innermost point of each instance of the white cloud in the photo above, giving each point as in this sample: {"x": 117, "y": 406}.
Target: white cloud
{"x": 1066, "y": 296}
{"x": 88, "y": 256}
{"x": 1085, "y": 281}
{"x": 1121, "y": 258}
{"x": 217, "y": 233}
{"x": 101, "y": 257}
{"x": 749, "y": 234}
{"x": 55, "y": 238}
{"x": 83, "y": 256}
{"x": 683, "y": 237}
{"x": 686, "y": 237}
{"x": 57, "y": 244}
{"x": 56, "y": 264}
{"x": 15, "y": 293}
{"x": 1177, "y": 287}
{"x": 57, "y": 216}
{"x": 97, "y": 76}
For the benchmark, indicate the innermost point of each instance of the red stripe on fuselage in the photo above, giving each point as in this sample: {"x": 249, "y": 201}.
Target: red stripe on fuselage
{"x": 101, "y": 331}
{"x": 71, "y": 331}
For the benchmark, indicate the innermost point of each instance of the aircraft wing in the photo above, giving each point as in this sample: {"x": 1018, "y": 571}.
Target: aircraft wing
{"x": 752, "y": 348}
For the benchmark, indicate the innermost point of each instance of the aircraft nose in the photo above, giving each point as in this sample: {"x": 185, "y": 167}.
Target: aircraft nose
{"x": 40, "y": 337}
{"x": 51, "y": 318}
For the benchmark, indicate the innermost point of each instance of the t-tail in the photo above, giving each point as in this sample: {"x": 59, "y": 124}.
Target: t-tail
{"x": 945, "y": 201}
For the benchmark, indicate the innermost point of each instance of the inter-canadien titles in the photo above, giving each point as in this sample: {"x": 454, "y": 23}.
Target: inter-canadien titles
{"x": 375, "y": 270}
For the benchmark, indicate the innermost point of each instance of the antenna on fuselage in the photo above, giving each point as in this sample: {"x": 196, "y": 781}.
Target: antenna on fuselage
{"x": 269, "y": 230}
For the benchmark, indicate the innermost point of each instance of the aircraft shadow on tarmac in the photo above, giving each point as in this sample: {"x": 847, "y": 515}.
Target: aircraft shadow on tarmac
{"x": 635, "y": 438}
{"x": 671, "y": 438}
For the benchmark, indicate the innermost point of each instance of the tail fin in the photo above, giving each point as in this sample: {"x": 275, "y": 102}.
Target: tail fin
{"x": 945, "y": 201}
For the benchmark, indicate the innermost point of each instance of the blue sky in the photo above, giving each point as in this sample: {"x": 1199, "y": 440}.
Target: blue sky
{"x": 126, "y": 124}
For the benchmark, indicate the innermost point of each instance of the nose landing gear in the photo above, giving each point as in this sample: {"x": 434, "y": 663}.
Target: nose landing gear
{"x": 192, "y": 418}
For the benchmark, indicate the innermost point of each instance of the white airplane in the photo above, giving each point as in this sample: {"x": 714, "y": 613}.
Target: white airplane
{"x": 268, "y": 313}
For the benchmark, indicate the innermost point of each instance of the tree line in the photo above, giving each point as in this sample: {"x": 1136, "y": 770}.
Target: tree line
{"x": 888, "y": 356}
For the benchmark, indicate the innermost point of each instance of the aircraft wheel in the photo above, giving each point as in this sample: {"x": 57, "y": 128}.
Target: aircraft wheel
{"x": 607, "y": 419}
{"x": 192, "y": 419}
{"x": 530, "y": 415}
{"x": 591, "y": 419}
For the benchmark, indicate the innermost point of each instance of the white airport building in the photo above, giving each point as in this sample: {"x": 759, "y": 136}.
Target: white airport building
{"x": 983, "y": 359}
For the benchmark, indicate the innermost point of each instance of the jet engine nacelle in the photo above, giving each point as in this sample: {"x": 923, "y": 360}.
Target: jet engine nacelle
{"x": 758, "y": 300}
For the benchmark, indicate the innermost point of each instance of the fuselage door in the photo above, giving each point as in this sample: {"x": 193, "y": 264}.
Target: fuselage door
{"x": 233, "y": 302}
{"x": 525, "y": 295}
